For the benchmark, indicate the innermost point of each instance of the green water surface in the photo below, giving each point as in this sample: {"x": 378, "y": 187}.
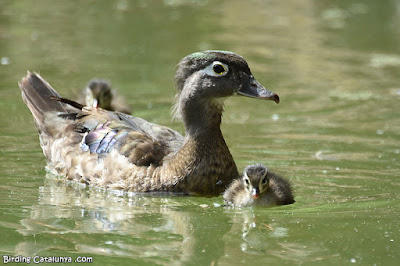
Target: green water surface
{"x": 335, "y": 135}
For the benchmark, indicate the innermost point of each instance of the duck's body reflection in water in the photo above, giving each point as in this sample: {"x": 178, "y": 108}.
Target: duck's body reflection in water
{"x": 151, "y": 229}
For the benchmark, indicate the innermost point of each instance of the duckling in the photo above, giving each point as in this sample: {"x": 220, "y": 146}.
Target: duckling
{"x": 99, "y": 93}
{"x": 113, "y": 150}
{"x": 259, "y": 187}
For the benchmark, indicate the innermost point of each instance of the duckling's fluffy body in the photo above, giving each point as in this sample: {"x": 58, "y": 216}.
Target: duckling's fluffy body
{"x": 118, "y": 151}
{"x": 259, "y": 187}
{"x": 99, "y": 93}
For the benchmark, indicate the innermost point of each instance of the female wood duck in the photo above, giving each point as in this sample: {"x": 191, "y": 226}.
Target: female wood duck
{"x": 259, "y": 187}
{"x": 117, "y": 151}
{"x": 99, "y": 93}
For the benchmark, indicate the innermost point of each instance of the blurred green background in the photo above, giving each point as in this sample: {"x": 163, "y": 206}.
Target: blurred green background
{"x": 335, "y": 65}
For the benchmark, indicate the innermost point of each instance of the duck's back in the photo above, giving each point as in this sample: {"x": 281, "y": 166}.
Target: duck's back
{"x": 118, "y": 151}
{"x": 73, "y": 139}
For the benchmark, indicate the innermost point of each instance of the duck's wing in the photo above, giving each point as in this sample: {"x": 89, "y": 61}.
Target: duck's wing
{"x": 160, "y": 133}
{"x": 66, "y": 123}
{"x": 142, "y": 142}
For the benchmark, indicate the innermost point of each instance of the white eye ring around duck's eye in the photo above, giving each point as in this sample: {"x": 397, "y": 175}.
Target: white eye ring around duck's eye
{"x": 219, "y": 68}
{"x": 216, "y": 69}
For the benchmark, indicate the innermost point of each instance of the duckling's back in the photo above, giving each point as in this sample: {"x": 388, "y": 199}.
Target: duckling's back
{"x": 281, "y": 189}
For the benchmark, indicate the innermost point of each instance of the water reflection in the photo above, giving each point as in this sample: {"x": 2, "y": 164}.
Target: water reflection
{"x": 257, "y": 236}
{"x": 255, "y": 233}
{"x": 155, "y": 229}
{"x": 334, "y": 63}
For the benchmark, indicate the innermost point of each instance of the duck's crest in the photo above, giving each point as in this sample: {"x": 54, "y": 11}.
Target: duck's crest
{"x": 209, "y": 54}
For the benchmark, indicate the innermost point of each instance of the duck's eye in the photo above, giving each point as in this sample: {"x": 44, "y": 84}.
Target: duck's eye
{"x": 216, "y": 69}
{"x": 219, "y": 68}
{"x": 247, "y": 181}
{"x": 264, "y": 180}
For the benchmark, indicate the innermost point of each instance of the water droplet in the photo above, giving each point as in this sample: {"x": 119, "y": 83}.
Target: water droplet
{"x": 353, "y": 260}
{"x": 34, "y": 36}
{"x": 384, "y": 60}
{"x": 333, "y": 13}
{"x": 380, "y": 132}
{"x": 324, "y": 171}
{"x": 275, "y": 117}
{"x": 337, "y": 168}
{"x": 5, "y": 61}
{"x": 122, "y": 5}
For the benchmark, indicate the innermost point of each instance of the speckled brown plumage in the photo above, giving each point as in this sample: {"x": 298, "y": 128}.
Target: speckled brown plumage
{"x": 118, "y": 151}
{"x": 259, "y": 187}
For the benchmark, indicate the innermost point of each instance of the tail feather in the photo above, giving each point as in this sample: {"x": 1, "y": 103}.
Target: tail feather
{"x": 37, "y": 95}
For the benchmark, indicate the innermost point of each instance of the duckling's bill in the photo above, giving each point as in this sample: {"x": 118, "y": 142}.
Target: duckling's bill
{"x": 255, "y": 193}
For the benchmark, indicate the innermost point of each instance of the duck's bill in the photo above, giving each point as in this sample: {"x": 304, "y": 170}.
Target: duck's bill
{"x": 254, "y": 89}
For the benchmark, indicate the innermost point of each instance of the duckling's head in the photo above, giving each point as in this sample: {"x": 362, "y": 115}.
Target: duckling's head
{"x": 204, "y": 79}
{"x": 255, "y": 180}
{"x": 99, "y": 94}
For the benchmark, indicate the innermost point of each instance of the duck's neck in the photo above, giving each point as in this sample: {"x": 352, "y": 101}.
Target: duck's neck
{"x": 203, "y": 119}
{"x": 204, "y": 163}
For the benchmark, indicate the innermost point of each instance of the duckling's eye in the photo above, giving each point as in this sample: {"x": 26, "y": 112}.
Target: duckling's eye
{"x": 219, "y": 68}
{"x": 264, "y": 180}
{"x": 247, "y": 181}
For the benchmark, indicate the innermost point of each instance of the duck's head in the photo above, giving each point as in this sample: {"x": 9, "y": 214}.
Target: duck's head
{"x": 255, "y": 180}
{"x": 206, "y": 78}
{"x": 98, "y": 94}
